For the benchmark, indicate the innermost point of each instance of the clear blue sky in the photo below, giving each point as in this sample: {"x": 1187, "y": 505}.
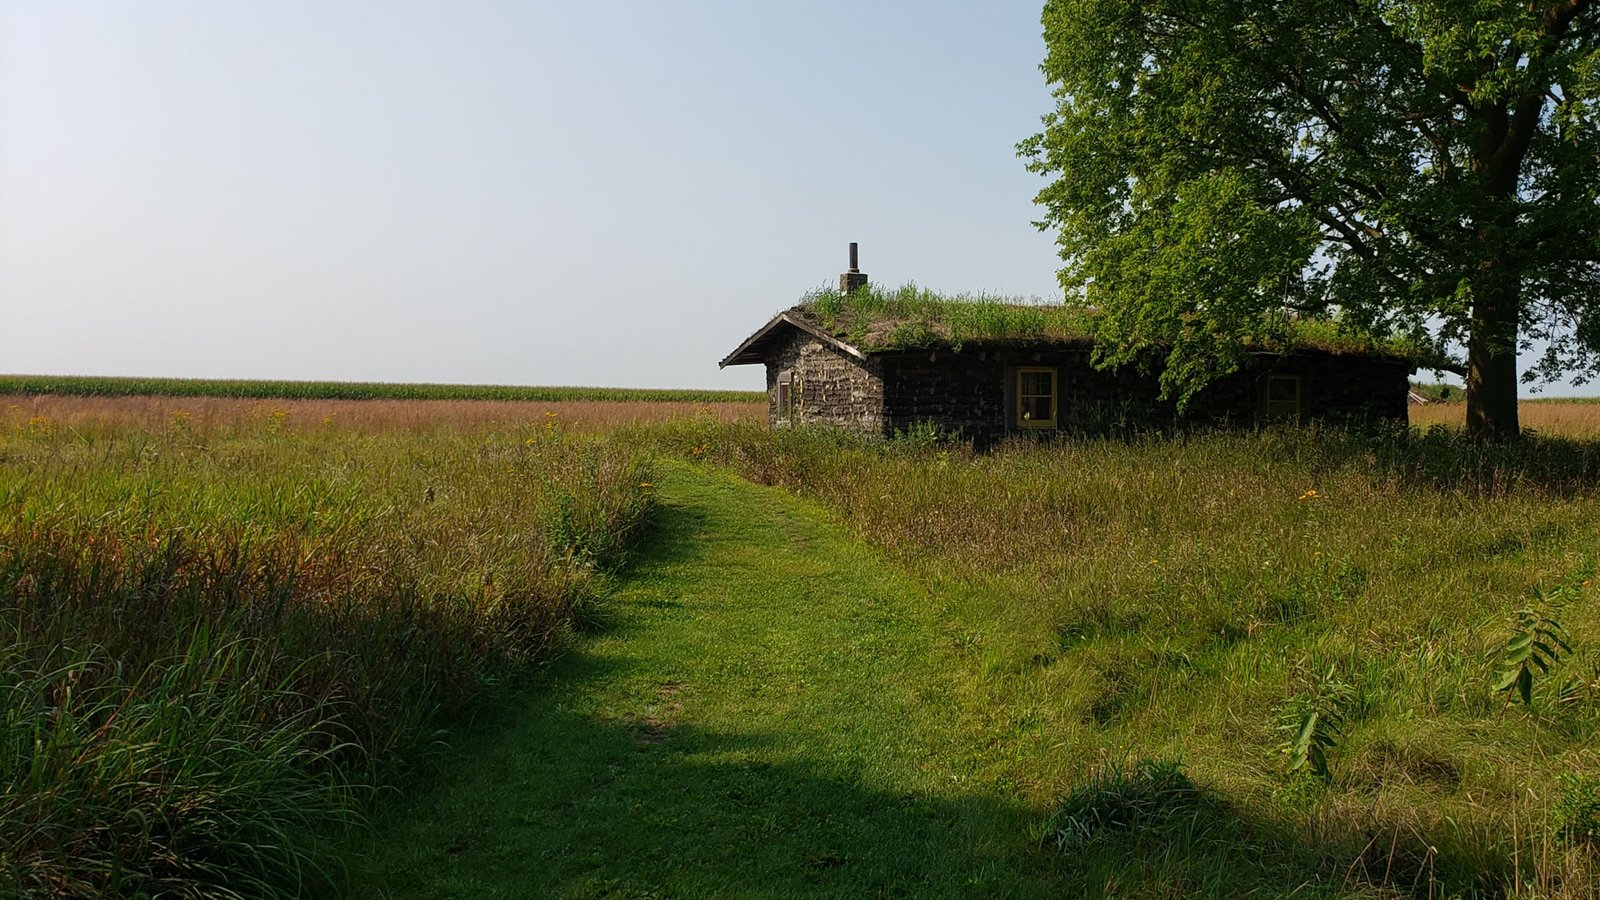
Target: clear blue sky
{"x": 609, "y": 193}
{"x": 586, "y": 193}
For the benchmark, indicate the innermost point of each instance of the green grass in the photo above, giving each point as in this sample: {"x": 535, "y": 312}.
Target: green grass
{"x": 105, "y": 386}
{"x": 874, "y": 318}
{"x": 909, "y": 317}
{"x": 1062, "y": 671}
{"x": 835, "y": 667}
{"x": 216, "y": 644}
{"x": 1177, "y": 599}
{"x": 766, "y": 713}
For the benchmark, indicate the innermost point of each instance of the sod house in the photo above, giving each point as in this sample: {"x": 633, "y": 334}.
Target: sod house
{"x": 884, "y": 362}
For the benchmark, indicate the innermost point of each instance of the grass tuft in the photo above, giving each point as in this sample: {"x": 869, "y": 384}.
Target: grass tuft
{"x": 1133, "y": 802}
{"x": 1578, "y": 810}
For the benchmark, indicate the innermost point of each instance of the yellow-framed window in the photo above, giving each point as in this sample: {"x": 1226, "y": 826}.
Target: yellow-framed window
{"x": 1283, "y": 400}
{"x": 1036, "y": 397}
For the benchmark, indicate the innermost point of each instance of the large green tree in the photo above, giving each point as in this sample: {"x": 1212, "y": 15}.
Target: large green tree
{"x": 1422, "y": 167}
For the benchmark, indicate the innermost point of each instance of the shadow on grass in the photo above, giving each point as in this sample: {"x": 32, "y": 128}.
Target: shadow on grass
{"x": 568, "y": 805}
{"x": 1146, "y": 829}
{"x": 649, "y": 807}
{"x": 1445, "y": 458}
{"x": 587, "y": 784}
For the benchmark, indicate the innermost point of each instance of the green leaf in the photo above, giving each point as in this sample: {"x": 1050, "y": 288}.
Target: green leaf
{"x": 1319, "y": 763}
{"x": 1215, "y": 164}
{"x": 1308, "y": 729}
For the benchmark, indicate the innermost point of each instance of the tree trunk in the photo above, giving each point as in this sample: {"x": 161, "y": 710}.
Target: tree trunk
{"x": 1492, "y": 361}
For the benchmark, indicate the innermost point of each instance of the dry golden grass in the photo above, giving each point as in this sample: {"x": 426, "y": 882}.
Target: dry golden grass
{"x": 1571, "y": 418}
{"x": 362, "y": 415}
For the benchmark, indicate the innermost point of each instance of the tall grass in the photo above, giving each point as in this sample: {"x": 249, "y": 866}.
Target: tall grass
{"x": 909, "y": 317}
{"x": 873, "y": 317}
{"x": 1173, "y": 599}
{"x": 1569, "y": 416}
{"x": 204, "y": 413}
{"x": 216, "y": 642}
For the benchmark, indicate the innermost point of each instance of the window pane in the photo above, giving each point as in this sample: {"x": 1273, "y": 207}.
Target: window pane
{"x": 1035, "y": 384}
{"x": 1036, "y": 409}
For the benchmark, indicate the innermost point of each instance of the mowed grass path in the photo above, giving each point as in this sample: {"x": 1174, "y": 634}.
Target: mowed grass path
{"x": 769, "y": 710}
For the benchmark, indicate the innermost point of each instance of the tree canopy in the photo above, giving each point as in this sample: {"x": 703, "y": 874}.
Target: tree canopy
{"x": 1428, "y": 168}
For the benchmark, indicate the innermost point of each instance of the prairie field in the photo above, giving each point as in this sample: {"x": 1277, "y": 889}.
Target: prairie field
{"x": 1145, "y": 627}
{"x": 1571, "y": 417}
{"x": 606, "y": 648}
{"x": 224, "y": 633}
{"x": 93, "y": 411}
{"x": 262, "y": 389}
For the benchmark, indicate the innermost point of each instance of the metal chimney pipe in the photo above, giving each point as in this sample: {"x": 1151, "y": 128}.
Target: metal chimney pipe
{"x": 853, "y": 278}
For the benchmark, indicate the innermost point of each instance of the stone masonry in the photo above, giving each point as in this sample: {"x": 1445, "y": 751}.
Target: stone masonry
{"x": 827, "y": 386}
{"x": 970, "y": 392}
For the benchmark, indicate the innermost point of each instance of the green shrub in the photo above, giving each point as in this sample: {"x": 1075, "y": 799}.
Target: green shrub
{"x": 1536, "y": 642}
{"x": 1314, "y": 724}
{"x": 1578, "y": 810}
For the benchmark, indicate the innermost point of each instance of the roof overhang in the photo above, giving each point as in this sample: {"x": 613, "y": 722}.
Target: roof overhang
{"x": 756, "y": 347}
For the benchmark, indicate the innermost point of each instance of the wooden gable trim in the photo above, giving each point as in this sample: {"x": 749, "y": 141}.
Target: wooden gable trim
{"x": 749, "y": 351}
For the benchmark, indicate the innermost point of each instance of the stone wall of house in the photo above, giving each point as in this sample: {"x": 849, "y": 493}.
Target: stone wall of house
{"x": 971, "y": 392}
{"x": 1333, "y": 387}
{"x": 829, "y": 387}
{"x": 963, "y": 392}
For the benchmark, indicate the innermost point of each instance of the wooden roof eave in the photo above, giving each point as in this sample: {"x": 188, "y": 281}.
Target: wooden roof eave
{"x": 750, "y": 351}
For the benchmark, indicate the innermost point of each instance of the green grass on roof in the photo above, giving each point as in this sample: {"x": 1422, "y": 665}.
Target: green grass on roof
{"x": 910, "y": 317}
{"x": 1337, "y": 337}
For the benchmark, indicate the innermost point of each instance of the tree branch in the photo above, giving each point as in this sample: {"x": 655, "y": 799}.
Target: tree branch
{"x": 1529, "y": 107}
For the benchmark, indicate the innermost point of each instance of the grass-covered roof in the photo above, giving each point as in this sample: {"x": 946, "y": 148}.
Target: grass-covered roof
{"x": 874, "y": 319}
